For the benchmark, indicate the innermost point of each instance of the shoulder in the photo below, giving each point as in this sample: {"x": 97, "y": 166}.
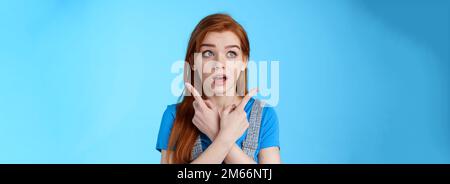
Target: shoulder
{"x": 269, "y": 115}
{"x": 269, "y": 132}
{"x": 169, "y": 116}
{"x": 171, "y": 110}
{"x": 165, "y": 128}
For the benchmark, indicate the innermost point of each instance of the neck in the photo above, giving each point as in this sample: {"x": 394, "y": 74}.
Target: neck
{"x": 222, "y": 102}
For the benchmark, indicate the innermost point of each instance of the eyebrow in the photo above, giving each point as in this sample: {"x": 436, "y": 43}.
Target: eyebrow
{"x": 231, "y": 46}
{"x": 212, "y": 45}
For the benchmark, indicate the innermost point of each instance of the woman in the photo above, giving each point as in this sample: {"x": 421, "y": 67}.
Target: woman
{"x": 216, "y": 124}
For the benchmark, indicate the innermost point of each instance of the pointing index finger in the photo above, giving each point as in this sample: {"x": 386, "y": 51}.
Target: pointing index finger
{"x": 196, "y": 95}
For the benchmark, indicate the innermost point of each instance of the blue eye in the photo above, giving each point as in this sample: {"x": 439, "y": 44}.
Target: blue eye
{"x": 207, "y": 53}
{"x": 231, "y": 54}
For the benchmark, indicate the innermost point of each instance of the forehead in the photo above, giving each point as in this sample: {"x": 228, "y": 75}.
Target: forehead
{"x": 221, "y": 39}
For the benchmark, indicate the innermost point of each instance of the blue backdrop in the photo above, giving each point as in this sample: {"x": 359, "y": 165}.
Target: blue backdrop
{"x": 87, "y": 81}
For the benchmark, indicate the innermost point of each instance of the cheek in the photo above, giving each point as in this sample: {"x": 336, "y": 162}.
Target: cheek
{"x": 237, "y": 69}
{"x": 205, "y": 76}
{"x": 233, "y": 72}
{"x": 207, "y": 69}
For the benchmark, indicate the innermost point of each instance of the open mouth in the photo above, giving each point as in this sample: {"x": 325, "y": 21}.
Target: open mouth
{"x": 220, "y": 79}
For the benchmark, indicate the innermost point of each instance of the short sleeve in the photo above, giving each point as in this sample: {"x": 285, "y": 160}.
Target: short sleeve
{"x": 269, "y": 135}
{"x": 165, "y": 127}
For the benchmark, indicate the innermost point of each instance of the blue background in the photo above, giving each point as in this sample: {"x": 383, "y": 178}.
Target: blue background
{"x": 87, "y": 81}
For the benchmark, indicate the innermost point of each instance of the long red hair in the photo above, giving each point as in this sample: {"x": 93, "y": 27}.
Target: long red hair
{"x": 184, "y": 133}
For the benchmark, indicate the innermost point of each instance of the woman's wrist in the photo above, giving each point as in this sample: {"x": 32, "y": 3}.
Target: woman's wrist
{"x": 224, "y": 140}
{"x": 212, "y": 137}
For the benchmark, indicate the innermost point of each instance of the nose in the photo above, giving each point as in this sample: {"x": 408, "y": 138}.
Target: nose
{"x": 221, "y": 62}
{"x": 219, "y": 66}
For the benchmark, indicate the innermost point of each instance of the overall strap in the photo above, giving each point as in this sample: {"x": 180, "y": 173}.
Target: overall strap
{"x": 197, "y": 149}
{"x": 250, "y": 144}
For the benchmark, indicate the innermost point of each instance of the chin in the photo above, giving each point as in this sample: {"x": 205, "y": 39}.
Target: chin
{"x": 221, "y": 90}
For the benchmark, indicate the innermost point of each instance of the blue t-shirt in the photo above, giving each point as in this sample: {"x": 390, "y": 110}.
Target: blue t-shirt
{"x": 268, "y": 135}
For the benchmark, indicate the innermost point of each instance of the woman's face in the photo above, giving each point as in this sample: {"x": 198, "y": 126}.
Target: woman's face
{"x": 222, "y": 62}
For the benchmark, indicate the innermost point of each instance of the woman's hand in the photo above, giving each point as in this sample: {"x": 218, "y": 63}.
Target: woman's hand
{"x": 233, "y": 120}
{"x": 206, "y": 117}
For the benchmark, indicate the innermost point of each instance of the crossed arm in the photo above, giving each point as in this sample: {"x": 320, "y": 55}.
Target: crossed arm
{"x": 233, "y": 123}
{"x": 216, "y": 153}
